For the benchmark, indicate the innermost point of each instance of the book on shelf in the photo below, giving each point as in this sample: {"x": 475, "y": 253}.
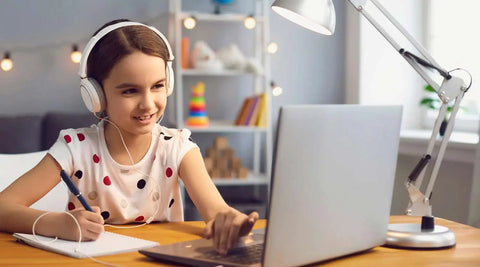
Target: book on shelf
{"x": 251, "y": 112}
{"x": 262, "y": 113}
{"x": 185, "y": 52}
{"x": 242, "y": 112}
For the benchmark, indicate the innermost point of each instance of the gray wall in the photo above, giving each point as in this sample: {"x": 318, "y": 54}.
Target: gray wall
{"x": 308, "y": 66}
{"x": 40, "y": 33}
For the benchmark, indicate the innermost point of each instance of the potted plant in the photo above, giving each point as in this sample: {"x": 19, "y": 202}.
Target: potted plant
{"x": 431, "y": 101}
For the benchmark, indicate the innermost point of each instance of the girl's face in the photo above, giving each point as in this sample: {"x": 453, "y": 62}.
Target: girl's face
{"x": 136, "y": 93}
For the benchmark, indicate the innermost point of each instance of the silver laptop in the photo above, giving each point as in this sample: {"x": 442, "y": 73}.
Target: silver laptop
{"x": 332, "y": 184}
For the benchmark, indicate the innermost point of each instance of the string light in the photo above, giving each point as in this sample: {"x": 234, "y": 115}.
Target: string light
{"x": 6, "y": 63}
{"x": 189, "y": 23}
{"x": 250, "y": 22}
{"x": 272, "y": 48}
{"x": 76, "y": 55}
{"x": 276, "y": 90}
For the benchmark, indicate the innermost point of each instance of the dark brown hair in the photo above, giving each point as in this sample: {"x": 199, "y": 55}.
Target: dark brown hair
{"x": 119, "y": 43}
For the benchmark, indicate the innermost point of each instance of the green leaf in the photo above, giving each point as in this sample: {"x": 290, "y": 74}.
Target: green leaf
{"x": 429, "y": 88}
{"x": 430, "y": 103}
{"x": 426, "y": 101}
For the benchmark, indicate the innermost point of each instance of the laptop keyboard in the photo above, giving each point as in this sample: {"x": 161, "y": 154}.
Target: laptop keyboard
{"x": 240, "y": 255}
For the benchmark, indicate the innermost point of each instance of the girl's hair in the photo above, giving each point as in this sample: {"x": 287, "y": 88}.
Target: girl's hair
{"x": 120, "y": 43}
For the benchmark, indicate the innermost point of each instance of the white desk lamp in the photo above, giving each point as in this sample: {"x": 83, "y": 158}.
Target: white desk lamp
{"x": 319, "y": 16}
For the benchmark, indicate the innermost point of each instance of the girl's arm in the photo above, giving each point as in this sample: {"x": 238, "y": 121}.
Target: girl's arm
{"x": 30, "y": 187}
{"x": 223, "y": 223}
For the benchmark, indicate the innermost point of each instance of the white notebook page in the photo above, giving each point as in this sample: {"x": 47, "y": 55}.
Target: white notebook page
{"x": 107, "y": 244}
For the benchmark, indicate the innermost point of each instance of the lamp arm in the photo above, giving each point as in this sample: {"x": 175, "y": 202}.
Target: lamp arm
{"x": 452, "y": 88}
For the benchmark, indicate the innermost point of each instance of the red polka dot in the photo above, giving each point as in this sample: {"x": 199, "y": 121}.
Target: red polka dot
{"x": 154, "y": 157}
{"x": 139, "y": 219}
{"x": 71, "y": 206}
{"x": 96, "y": 159}
{"x": 81, "y": 137}
{"x": 169, "y": 172}
{"x": 106, "y": 180}
{"x": 67, "y": 138}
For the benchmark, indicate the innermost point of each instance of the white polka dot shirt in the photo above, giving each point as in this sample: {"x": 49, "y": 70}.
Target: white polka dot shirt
{"x": 125, "y": 193}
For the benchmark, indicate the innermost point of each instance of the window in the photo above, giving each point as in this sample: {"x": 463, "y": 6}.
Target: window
{"x": 453, "y": 40}
{"x": 377, "y": 74}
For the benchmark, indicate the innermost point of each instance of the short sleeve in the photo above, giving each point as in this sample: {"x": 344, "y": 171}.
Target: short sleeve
{"x": 61, "y": 152}
{"x": 184, "y": 144}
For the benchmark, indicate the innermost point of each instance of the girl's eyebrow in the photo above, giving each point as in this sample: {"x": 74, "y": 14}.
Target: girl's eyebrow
{"x": 130, "y": 85}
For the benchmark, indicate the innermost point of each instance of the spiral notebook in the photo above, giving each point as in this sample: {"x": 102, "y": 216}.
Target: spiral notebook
{"x": 107, "y": 244}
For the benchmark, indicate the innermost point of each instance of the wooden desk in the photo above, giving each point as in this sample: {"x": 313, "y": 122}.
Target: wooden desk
{"x": 465, "y": 253}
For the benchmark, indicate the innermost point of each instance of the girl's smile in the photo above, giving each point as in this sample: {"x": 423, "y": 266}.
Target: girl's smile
{"x": 146, "y": 119}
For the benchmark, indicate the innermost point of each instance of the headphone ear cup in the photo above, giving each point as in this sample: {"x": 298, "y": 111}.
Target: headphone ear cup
{"x": 92, "y": 95}
{"x": 170, "y": 78}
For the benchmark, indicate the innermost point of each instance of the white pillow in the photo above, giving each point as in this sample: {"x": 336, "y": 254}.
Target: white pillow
{"x": 13, "y": 166}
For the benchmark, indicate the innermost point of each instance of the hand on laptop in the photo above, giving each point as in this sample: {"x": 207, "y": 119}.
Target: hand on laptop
{"x": 227, "y": 226}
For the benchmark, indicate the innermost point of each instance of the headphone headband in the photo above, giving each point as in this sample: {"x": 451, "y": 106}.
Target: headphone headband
{"x": 93, "y": 41}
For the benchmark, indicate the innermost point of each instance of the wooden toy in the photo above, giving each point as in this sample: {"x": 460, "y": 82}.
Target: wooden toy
{"x": 221, "y": 162}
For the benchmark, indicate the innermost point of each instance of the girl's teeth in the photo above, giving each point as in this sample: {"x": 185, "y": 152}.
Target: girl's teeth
{"x": 143, "y": 117}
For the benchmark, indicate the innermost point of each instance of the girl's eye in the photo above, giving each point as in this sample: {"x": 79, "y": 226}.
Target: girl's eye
{"x": 129, "y": 91}
{"x": 158, "y": 86}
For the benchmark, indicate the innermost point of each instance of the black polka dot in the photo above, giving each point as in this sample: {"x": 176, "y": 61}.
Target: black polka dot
{"x": 167, "y": 137}
{"x": 79, "y": 174}
{"x": 141, "y": 184}
{"x": 171, "y": 203}
{"x": 105, "y": 215}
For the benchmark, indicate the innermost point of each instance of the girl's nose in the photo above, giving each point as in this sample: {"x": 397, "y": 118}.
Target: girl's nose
{"x": 147, "y": 101}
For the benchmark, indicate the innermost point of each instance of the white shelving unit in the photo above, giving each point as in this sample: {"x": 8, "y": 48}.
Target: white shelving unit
{"x": 259, "y": 175}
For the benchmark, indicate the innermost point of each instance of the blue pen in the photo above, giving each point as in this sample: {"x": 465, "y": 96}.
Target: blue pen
{"x": 71, "y": 186}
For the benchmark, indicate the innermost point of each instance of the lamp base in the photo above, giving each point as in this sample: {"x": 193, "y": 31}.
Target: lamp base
{"x": 409, "y": 235}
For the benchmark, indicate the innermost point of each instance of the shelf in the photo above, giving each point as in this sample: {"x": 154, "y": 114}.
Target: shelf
{"x": 224, "y": 126}
{"x": 457, "y": 138}
{"x": 257, "y": 76}
{"x": 460, "y": 148}
{"x": 218, "y": 17}
{"x": 222, "y": 72}
{"x": 251, "y": 179}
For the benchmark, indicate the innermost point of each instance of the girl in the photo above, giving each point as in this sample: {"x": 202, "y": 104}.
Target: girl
{"x": 127, "y": 166}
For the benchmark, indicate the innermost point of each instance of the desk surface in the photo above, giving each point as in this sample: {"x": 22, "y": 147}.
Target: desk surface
{"x": 465, "y": 253}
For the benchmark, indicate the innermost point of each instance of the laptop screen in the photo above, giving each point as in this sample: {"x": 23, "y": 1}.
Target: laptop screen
{"x": 332, "y": 181}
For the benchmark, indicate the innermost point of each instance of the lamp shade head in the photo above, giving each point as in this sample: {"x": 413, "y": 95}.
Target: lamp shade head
{"x": 315, "y": 15}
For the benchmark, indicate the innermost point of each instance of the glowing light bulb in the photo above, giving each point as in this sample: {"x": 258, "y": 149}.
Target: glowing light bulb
{"x": 189, "y": 23}
{"x": 272, "y": 48}
{"x": 76, "y": 55}
{"x": 276, "y": 90}
{"x": 6, "y": 64}
{"x": 250, "y": 23}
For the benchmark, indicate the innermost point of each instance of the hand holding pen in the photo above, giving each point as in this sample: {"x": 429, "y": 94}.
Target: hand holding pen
{"x": 91, "y": 222}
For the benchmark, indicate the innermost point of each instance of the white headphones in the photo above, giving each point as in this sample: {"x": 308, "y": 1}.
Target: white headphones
{"x": 92, "y": 93}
